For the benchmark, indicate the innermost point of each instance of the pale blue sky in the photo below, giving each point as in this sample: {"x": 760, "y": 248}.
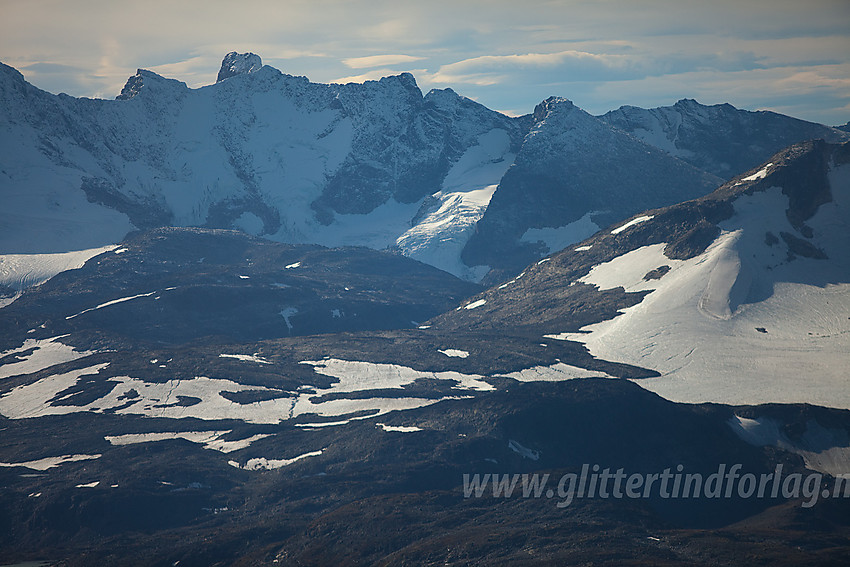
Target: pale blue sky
{"x": 784, "y": 55}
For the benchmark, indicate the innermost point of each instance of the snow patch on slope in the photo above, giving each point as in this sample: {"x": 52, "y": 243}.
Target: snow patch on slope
{"x": 556, "y": 239}
{"x": 739, "y": 323}
{"x": 823, "y": 450}
{"x": 453, "y": 352}
{"x": 209, "y": 439}
{"x": 398, "y": 428}
{"x": 475, "y": 304}
{"x": 262, "y": 463}
{"x": 132, "y": 396}
{"x": 631, "y": 223}
{"x": 110, "y": 303}
{"x": 627, "y": 271}
{"x": 246, "y": 358}
{"x": 760, "y": 174}
{"x": 357, "y": 376}
{"x": 554, "y": 373}
{"x": 20, "y": 271}
{"x": 51, "y": 462}
{"x": 523, "y": 451}
{"x": 45, "y": 353}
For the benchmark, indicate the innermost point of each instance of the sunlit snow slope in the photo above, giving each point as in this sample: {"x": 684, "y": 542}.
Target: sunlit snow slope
{"x": 762, "y": 315}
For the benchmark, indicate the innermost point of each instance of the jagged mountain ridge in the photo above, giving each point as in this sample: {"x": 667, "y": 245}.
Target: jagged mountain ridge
{"x": 266, "y": 152}
{"x": 375, "y": 164}
{"x": 574, "y": 179}
{"x": 574, "y": 174}
{"x": 720, "y": 138}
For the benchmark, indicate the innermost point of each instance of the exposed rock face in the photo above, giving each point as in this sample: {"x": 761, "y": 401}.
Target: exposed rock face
{"x": 271, "y": 154}
{"x": 238, "y": 64}
{"x": 572, "y": 164}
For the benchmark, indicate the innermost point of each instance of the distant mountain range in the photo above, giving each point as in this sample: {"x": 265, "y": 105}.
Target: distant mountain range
{"x": 437, "y": 177}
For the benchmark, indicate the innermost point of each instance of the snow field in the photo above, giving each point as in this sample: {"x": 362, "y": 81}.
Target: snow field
{"x": 51, "y": 462}
{"x": 47, "y": 353}
{"x": 20, "y": 271}
{"x": 209, "y": 439}
{"x": 740, "y": 323}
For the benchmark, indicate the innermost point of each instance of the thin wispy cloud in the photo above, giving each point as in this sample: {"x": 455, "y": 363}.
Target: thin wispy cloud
{"x": 373, "y": 75}
{"x": 495, "y": 69}
{"x": 379, "y": 61}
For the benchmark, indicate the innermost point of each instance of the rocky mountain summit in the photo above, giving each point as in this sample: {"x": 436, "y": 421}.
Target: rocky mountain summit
{"x": 238, "y": 64}
{"x": 720, "y": 139}
{"x": 574, "y": 174}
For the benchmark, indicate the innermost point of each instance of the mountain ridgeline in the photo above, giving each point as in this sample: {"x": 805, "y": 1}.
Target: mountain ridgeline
{"x": 438, "y": 177}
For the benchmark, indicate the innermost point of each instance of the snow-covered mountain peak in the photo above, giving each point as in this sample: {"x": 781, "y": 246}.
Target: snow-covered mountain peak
{"x": 238, "y": 64}
{"x": 147, "y": 80}
{"x": 264, "y": 151}
{"x": 557, "y": 121}
{"x": 450, "y": 102}
{"x": 551, "y": 105}
{"x": 573, "y": 174}
{"x": 7, "y": 72}
{"x": 401, "y": 88}
{"x": 442, "y": 97}
{"x": 690, "y": 103}
{"x": 720, "y": 138}
{"x": 406, "y": 79}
